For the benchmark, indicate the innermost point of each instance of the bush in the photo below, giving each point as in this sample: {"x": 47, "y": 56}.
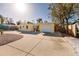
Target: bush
{"x": 14, "y": 28}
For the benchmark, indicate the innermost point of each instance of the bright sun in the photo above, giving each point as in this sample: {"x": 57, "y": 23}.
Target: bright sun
{"x": 20, "y": 7}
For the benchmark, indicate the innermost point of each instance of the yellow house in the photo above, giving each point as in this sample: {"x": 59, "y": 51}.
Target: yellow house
{"x": 46, "y": 27}
{"x": 26, "y": 27}
{"x": 42, "y": 27}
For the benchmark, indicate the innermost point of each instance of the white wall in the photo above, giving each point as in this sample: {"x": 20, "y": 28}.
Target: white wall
{"x": 47, "y": 27}
{"x": 23, "y": 27}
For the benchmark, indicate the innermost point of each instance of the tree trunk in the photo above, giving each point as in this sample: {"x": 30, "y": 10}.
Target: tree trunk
{"x": 66, "y": 25}
{"x": 63, "y": 24}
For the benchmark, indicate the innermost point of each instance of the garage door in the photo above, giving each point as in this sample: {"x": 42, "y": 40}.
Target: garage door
{"x": 46, "y": 29}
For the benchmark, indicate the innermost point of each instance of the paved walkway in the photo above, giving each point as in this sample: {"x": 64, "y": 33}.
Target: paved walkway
{"x": 37, "y": 45}
{"x": 74, "y": 42}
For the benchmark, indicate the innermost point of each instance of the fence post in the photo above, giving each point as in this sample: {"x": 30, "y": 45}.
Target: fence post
{"x": 74, "y": 30}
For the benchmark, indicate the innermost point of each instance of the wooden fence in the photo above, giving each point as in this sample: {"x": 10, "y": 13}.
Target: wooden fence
{"x": 71, "y": 29}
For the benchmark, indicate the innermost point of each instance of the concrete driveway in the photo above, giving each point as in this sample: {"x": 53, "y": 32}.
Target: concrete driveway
{"x": 37, "y": 45}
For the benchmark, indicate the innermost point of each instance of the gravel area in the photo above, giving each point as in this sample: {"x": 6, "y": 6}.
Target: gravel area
{"x": 7, "y": 38}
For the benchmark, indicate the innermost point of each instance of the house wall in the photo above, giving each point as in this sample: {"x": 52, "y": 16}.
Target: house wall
{"x": 47, "y": 27}
{"x": 26, "y": 27}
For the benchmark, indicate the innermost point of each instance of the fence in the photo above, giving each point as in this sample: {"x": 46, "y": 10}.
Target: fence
{"x": 71, "y": 29}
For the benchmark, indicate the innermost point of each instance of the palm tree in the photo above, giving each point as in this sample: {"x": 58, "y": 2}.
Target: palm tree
{"x": 39, "y": 20}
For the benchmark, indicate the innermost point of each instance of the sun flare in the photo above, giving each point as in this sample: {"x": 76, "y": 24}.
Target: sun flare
{"x": 20, "y": 7}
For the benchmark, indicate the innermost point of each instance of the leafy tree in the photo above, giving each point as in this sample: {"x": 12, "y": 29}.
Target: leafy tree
{"x": 64, "y": 12}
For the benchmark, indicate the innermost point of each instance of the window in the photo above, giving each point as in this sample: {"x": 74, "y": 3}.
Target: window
{"x": 26, "y": 27}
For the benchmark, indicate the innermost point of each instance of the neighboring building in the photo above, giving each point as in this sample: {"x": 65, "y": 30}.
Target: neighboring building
{"x": 41, "y": 27}
{"x": 26, "y": 27}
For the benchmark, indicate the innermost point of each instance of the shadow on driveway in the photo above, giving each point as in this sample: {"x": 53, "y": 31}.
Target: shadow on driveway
{"x": 29, "y": 32}
{"x": 55, "y": 34}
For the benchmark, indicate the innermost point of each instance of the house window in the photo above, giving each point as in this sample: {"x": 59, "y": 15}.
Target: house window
{"x": 26, "y": 27}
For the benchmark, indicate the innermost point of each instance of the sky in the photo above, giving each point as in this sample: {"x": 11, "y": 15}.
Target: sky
{"x": 30, "y": 12}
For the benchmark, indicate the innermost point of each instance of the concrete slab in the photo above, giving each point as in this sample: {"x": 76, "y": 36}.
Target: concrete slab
{"x": 9, "y": 51}
{"x": 74, "y": 42}
{"x": 38, "y": 36}
{"x": 26, "y": 43}
{"x": 29, "y": 55}
{"x": 52, "y": 48}
{"x": 51, "y": 38}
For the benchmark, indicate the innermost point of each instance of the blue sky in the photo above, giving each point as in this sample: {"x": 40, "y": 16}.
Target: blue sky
{"x": 33, "y": 12}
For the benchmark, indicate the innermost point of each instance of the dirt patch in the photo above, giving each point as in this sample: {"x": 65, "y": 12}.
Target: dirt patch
{"x": 7, "y": 38}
